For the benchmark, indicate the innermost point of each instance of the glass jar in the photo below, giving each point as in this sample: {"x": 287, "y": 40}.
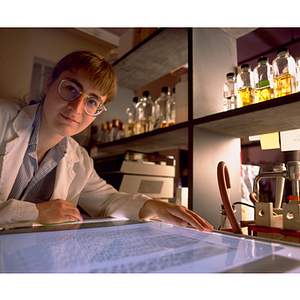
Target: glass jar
{"x": 104, "y": 133}
{"x": 161, "y": 108}
{"x": 145, "y": 114}
{"x": 171, "y": 110}
{"x": 245, "y": 86}
{"x": 229, "y": 92}
{"x": 110, "y": 131}
{"x": 284, "y": 73}
{"x": 130, "y": 118}
{"x": 263, "y": 80}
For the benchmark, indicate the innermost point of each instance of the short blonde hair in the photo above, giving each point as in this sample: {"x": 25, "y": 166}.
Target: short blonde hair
{"x": 95, "y": 68}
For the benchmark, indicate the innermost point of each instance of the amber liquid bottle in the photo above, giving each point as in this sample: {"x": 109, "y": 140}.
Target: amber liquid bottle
{"x": 263, "y": 80}
{"x": 145, "y": 113}
{"x": 245, "y": 86}
{"x": 284, "y": 72}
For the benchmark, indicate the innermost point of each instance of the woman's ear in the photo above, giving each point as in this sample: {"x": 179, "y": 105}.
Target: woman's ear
{"x": 48, "y": 84}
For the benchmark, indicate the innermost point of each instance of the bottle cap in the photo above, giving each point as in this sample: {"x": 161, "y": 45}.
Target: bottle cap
{"x": 116, "y": 122}
{"x": 231, "y": 74}
{"x": 109, "y": 125}
{"x": 122, "y": 125}
{"x": 166, "y": 89}
{"x": 103, "y": 126}
{"x": 146, "y": 93}
{"x": 263, "y": 58}
{"x": 135, "y": 99}
{"x": 245, "y": 66}
{"x": 282, "y": 50}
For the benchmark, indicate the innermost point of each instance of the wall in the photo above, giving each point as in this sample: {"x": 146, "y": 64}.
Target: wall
{"x": 117, "y": 108}
{"x": 154, "y": 87}
{"x": 19, "y": 47}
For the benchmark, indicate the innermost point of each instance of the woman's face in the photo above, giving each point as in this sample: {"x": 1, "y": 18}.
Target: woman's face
{"x": 61, "y": 118}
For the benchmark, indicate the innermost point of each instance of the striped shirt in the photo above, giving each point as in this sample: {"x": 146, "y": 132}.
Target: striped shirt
{"x": 35, "y": 183}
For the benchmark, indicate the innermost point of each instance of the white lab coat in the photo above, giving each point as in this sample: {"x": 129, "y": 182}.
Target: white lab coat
{"x": 76, "y": 180}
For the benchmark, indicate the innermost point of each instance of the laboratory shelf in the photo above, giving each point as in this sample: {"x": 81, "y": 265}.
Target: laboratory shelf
{"x": 159, "y": 54}
{"x": 173, "y": 137}
{"x": 210, "y": 135}
{"x": 271, "y": 116}
{"x": 275, "y": 115}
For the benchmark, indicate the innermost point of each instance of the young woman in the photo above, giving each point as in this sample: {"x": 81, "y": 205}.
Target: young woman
{"x": 45, "y": 174}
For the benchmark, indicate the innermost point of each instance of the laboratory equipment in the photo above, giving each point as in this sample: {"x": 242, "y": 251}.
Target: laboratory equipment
{"x": 268, "y": 215}
{"x": 135, "y": 172}
{"x": 224, "y": 187}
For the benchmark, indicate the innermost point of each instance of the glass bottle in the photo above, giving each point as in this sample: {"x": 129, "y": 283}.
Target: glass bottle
{"x": 171, "y": 110}
{"x": 130, "y": 118}
{"x": 161, "y": 108}
{"x": 229, "y": 92}
{"x": 284, "y": 73}
{"x": 145, "y": 113}
{"x": 115, "y": 129}
{"x": 182, "y": 99}
{"x": 263, "y": 80}
{"x": 121, "y": 133}
{"x": 104, "y": 133}
{"x": 245, "y": 86}
{"x": 110, "y": 132}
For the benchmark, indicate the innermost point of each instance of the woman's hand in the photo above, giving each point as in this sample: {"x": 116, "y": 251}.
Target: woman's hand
{"x": 57, "y": 211}
{"x": 173, "y": 214}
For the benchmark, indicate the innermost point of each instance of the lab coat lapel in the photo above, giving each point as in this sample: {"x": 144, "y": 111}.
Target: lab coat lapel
{"x": 65, "y": 175}
{"x": 14, "y": 154}
{"x": 16, "y": 148}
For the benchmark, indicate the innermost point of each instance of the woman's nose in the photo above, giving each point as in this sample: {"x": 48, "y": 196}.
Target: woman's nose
{"x": 77, "y": 105}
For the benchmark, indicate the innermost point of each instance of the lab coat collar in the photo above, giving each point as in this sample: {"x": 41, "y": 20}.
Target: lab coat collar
{"x": 25, "y": 119}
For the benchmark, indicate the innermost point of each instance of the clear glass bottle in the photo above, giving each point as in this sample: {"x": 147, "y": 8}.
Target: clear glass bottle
{"x": 263, "y": 80}
{"x": 130, "y": 118}
{"x": 104, "y": 133}
{"x": 145, "y": 113}
{"x": 110, "y": 132}
{"x": 245, "y": 86}
{"x": 284, "y": 73}
{"x": 115, "y": 129}
{"x": 229, "y": 92}
{"x": 171, "y": 110}
{"x": 161, "y": 108}
{"x": 121, "y": 133}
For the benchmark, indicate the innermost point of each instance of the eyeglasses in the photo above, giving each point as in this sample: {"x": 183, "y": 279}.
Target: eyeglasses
{"x": 69, "y": 91}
